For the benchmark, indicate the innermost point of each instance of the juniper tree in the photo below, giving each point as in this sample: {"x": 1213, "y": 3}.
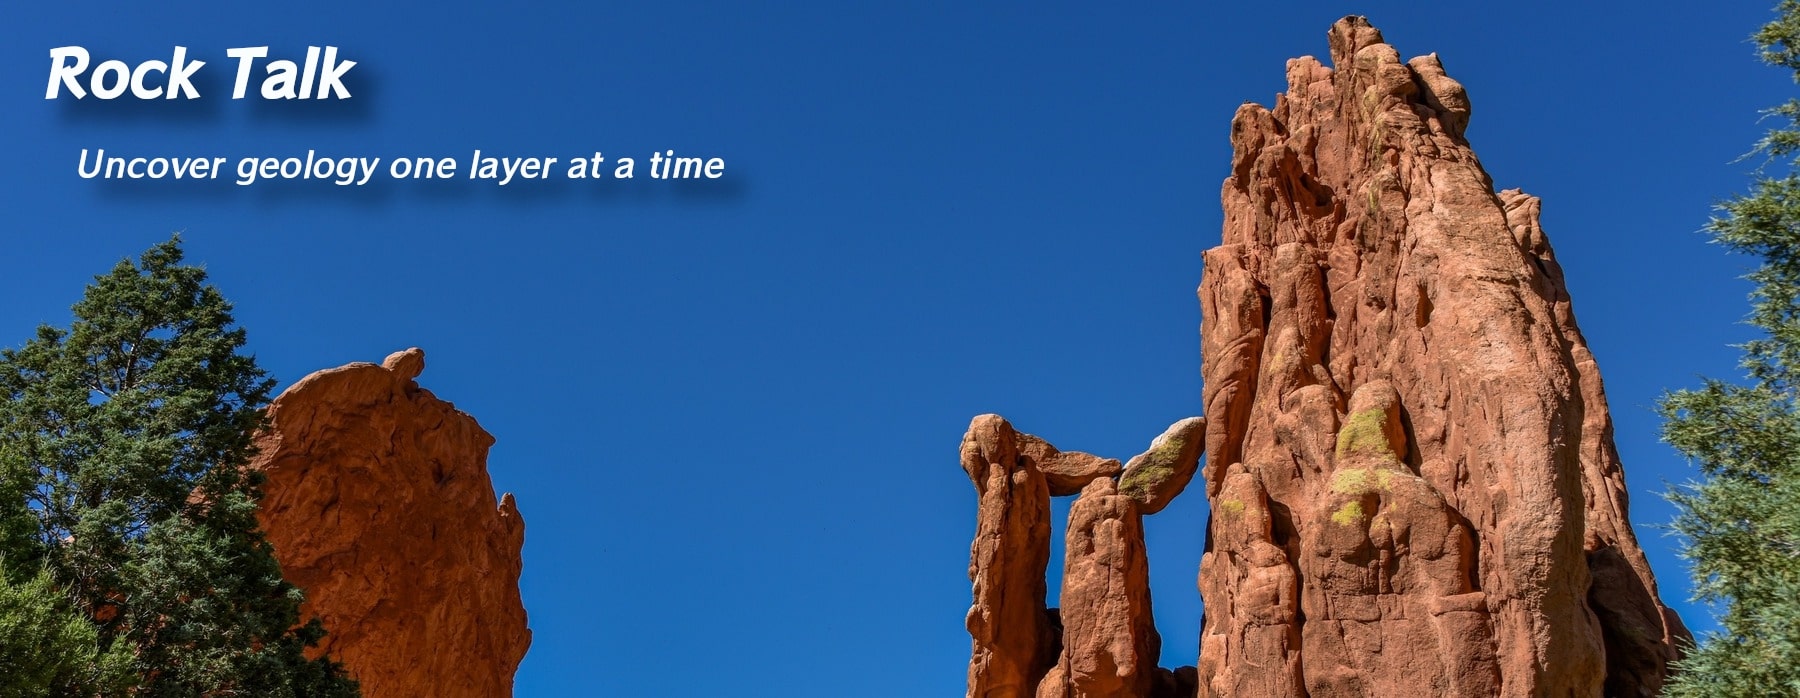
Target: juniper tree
{"x": 46, "y": 649}
{"x": 1741, "y": 520}
{"x": 121, "y": 444}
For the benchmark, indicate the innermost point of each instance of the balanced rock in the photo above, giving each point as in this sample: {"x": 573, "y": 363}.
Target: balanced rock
{"x": 1103, "y": 642}
{"x": 1413, "y": 484}
{"x": 1157, "y": 475}
{"x": 378, "y": 504}
{"x": 1067, "y": 472}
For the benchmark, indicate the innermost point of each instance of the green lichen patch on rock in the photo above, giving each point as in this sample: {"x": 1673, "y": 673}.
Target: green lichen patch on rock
{"x": 1360, "y": 481}
{"x": 1364, "y": 433}
{"x": 1157, "y": 475}
{"x": 1140, "y": 481}
{"x": 1350, "y": 514}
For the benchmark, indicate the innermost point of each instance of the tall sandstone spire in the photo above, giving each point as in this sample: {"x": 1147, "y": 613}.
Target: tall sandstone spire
{"x": 1408, "y": 456}
{"x": 1409, "y": 459}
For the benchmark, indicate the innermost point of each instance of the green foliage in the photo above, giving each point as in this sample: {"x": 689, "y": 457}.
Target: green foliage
{"x": 121, "y": 445}
{"x": 47, "y": 649}
{"x": 1741, "y": 520}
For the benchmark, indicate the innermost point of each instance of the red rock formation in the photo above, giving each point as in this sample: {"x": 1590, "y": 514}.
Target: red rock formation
{"x": 379, "y": 506}
{"x": 1409, "y": 458}
{"x": 1110, "y": 645}
{"x": 1015, "y": 636}
{"x": 1067, "y": 472}
{"x": 1154, "y": 477}
{"x": 1103, "y": 642}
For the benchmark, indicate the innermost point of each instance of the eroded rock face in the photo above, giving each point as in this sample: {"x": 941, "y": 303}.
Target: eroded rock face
{"x": 1103, "y": 642}
{"x": 1015, "y": 636}
{"x": 1409, "y": 457}
{"x": 379, "y": 506}
{"x": 1110, "y": 645}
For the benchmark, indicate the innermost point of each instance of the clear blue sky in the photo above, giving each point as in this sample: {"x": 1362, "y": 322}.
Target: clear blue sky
{"x": 730, "y": 413}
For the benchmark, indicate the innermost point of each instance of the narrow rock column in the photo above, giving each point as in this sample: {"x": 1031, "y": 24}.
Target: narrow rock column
{"x": 1110, "y": 645}
{"x": 1015, "y": 640}
{"x": 1252, "y": 593}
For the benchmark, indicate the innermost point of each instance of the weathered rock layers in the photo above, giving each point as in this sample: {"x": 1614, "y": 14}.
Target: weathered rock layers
{"x": 379, "y": 506}
{"x": 1103, "y": 641}
{"x": 1408, "y": 455}
{"x": 1410, "y": 463}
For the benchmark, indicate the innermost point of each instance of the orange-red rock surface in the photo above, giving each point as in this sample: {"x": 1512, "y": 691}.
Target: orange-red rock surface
{"x": 1016, "y": 638}
{"x": 379, "y": 506}
{"x": 1408, "y": 456}
{"x": 1409, "y": 459}
{"x": 1103, "y": 642}
{"x": 1110, "y": 645}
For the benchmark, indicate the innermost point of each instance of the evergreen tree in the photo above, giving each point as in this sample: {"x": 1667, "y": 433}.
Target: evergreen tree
{"x": 121, "y": 445}
{"x": 46, "y": 649}
{"x": 1741, "y": 521}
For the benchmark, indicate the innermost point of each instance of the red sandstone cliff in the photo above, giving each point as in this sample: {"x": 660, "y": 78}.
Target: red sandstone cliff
{"x": 1408, "y": 455}
{"x": 1410, "y": 460}
{"x": 379, "y": 506}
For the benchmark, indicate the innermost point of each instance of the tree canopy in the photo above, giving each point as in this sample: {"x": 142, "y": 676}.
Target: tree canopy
{"x": 122, "y": 490}
{"x": 1741, "y": 520}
